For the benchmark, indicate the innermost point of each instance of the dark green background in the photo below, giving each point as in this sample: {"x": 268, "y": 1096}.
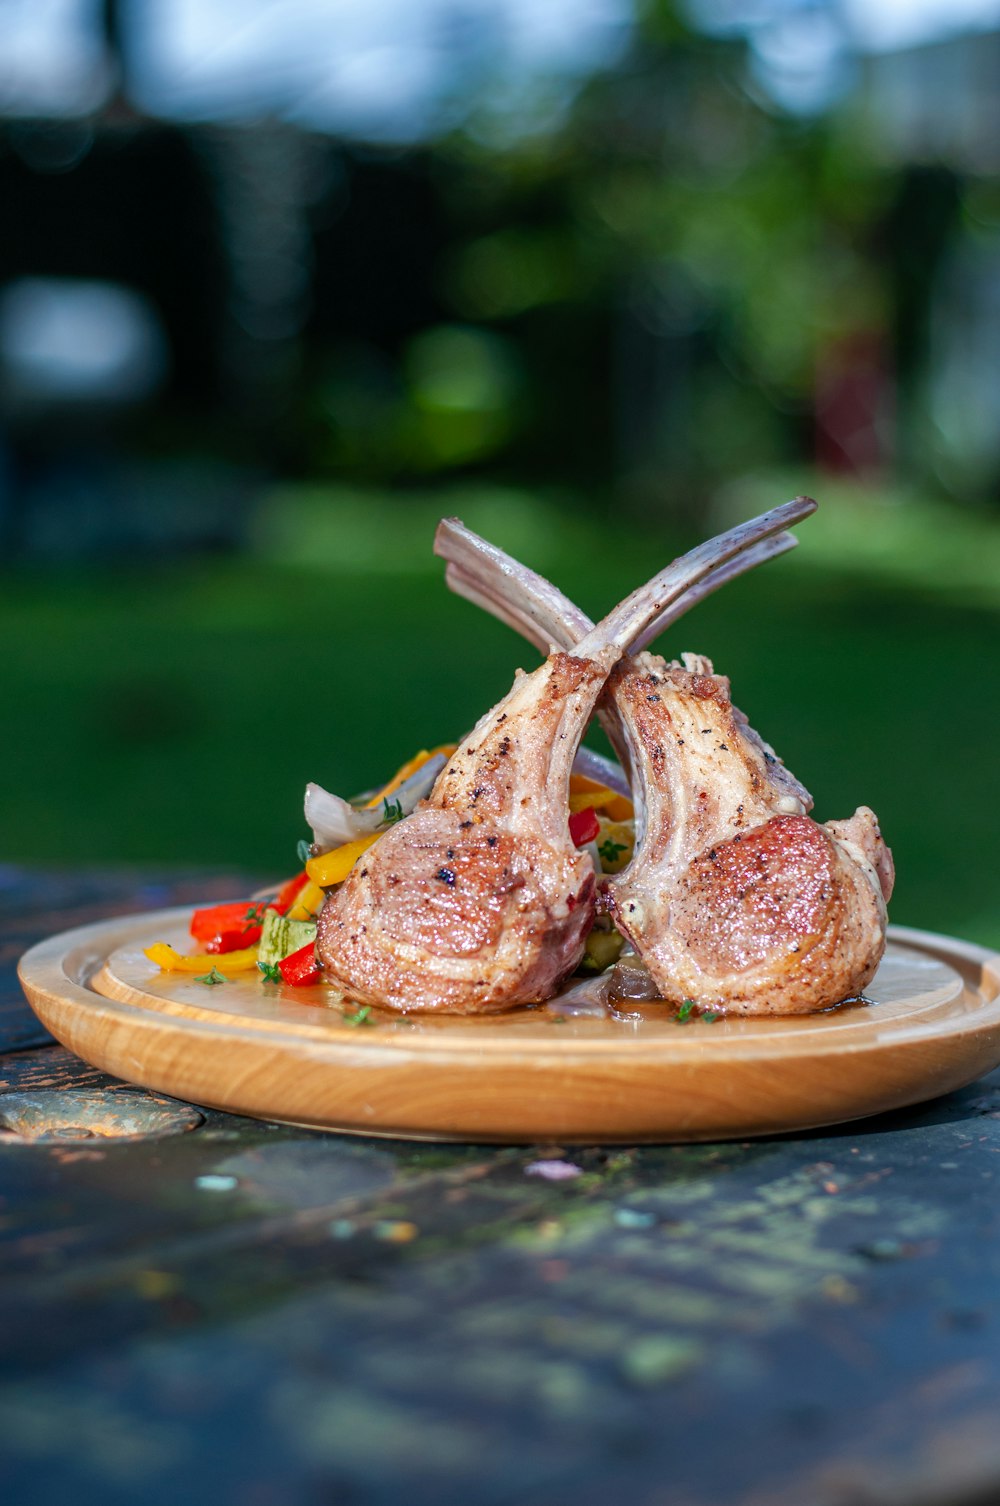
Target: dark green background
{"x": 174, "y": 712}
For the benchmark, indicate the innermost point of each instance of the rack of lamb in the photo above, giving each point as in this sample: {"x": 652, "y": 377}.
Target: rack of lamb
{"x": 735, "y": 898}
{"x": 478, "y": 900}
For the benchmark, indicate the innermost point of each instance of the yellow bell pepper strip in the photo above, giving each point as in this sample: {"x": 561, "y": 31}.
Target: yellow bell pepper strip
{"x": 600, "y": 800}
{"x": 308, "y": 901}
{"x": 200, "y": 962}
{"x": 584, "y": 791}
{"x": 333, "y": 867}
{"x": 410, "y": 767}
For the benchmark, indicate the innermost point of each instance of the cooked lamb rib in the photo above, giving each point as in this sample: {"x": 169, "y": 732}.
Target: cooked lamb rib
{"x": 735, "y": 897}
{"x": 540, "y": 612}
{"x": 479, "y": 900}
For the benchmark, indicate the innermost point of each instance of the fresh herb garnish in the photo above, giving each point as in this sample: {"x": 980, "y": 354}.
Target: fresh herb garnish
{"x": 360, "y": 1018}
{"x": 212, "y": 979}
{"x": 393, "y": 811}
{"x": 304, "y": 852}
{"x": 255, "y": 914}
{"x": 271, "y": 971}
{"x": 687, "y": 1012}
{"x": 609, "y": 850}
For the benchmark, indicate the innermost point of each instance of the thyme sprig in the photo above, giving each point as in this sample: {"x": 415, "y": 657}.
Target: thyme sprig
{"x": 212, "y": 979}
{"x": 361, "y": 1017}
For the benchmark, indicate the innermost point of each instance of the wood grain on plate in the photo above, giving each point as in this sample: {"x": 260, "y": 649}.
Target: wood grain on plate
{"x": 933, "y": 1024}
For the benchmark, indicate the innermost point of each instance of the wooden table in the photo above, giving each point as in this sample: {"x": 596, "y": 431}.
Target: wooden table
{"x": 268, "y": 1316}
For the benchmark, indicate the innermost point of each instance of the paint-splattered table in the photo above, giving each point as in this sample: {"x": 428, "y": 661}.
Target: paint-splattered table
{"x": 254, "y": 1314}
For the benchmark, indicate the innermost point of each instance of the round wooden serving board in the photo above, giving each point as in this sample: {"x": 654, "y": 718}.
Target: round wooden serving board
{"x": 932, "y": 1025}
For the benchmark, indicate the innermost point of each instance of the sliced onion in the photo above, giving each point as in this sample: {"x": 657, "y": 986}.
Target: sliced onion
{"x": 630, "y": 979}
{"x": 589, "y": 997}
{"x": 335, "y": 821}
{"x": 604, "y": 770}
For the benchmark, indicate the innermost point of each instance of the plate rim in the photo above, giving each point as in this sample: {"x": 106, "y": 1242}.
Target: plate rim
{"x": 526, "y": 1088}
{"x": 53, "y": 952}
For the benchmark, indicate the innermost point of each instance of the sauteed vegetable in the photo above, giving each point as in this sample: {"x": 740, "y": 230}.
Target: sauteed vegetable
{"x": 275, "y": 936}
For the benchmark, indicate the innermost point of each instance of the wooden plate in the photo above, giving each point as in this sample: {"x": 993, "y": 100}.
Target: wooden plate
{"x": 278, "y": 1053}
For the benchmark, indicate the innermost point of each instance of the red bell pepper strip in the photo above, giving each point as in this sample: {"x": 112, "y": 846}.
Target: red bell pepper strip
{"x": 286, "y": 894}
{"x": 299, "y": 968}
{"x": 242, "y": 919}
{"x": 584, "y": 827}
{"x": 227, "y": 928}
{"x": 231, "y": 941}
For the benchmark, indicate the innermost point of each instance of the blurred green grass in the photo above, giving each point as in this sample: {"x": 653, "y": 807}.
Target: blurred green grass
{"x": 172, "y": 713}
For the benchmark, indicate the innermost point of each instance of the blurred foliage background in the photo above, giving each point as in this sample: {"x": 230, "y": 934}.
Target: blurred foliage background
{"x": 281, "y": 285}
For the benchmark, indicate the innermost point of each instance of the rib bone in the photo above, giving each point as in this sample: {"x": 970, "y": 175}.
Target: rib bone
{"x": 534, "y": 607}
{"x": 734, "y": 896}
{"x": 540, "y": 612}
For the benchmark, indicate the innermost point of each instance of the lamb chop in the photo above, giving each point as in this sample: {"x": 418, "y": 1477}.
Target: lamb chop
{"x": 479, "y": 900}
{"x": 734, "y": 898}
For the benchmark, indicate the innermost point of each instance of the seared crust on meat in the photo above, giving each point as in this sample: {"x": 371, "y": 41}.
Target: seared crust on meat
{"x": 735, "y": 897}
{"x": 478, "y": 901}
{"x": 776, "y": 920}
{"x": 441, "y": 918}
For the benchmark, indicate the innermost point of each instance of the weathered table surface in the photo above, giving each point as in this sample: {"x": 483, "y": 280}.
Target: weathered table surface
{"x": 270, "y": 1316}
